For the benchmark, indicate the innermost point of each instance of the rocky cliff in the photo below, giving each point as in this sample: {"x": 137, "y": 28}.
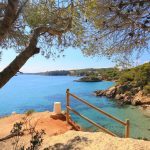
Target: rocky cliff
{"x": 126, "y": 94}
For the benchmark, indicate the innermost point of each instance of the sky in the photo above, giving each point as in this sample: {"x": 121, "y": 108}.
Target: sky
{"x": 74, "y": 59}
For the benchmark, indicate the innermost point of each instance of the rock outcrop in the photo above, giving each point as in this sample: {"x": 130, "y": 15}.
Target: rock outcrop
{"x": 126, "y": 94}
{"x": 140, "y": 99}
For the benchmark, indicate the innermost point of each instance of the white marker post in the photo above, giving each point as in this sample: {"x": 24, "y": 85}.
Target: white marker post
{"x": 57, "y": 107}
{"x": 13, "y": 113}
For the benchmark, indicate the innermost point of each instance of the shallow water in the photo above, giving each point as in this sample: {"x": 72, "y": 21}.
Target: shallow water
{"x": 37, "y": 92}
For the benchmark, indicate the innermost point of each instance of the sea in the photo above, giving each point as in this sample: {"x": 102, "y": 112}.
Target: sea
{"x": 38, "y": 92}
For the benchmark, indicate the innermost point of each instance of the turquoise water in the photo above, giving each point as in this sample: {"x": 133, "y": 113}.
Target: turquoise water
{"x": 26, "y": 92}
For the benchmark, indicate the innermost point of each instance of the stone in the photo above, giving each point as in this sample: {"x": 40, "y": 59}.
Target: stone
{"x": 134, "y": 90}
{"x": 58, "y": 116}
{"x": 127, "y": 99}
{"x": 118, "y": 97}
{"x": 111, "y": 92}
{"x": 100, "y": 93}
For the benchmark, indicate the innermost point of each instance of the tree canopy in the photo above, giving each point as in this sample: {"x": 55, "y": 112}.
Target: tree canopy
{"x": 97, "y": 27}
{"x": 120, "y": 27}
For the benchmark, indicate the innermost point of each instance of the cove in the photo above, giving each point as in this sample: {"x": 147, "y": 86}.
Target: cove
{"x": 37, "y": 92}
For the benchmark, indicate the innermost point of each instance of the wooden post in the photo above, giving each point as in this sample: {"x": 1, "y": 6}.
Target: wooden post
{"x": 67, "y": 104}
{"x": 127, "y": 129}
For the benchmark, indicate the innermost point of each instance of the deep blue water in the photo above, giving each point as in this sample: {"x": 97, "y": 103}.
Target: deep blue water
{"x": 37, "y": 92}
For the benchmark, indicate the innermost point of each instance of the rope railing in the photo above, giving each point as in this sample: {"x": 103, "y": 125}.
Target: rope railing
{"x": 68, "y": 109}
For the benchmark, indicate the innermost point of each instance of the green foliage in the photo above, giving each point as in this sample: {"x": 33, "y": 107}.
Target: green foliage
{"x": 142, "y": 138}
{"x": 97, "y": 27}
{"x": 125, "y": 77}
{"x": 142, "y": 74}
{"x": 57, "y": 73}
{"x": 36, "y": 140}
{"x": 90, "y": 78}
{"x": 40, "y": 14}
{"x": 128, "y": 93}
{"x": 103, "y": 73}
{"x": 114, "y": 34}
{"x": 146, "y": 89}
{"x": 29, "y": 112}
{"x": 19, "y": 129}
{"x": 137, "y": 77}
{"x": 109, "y": 73}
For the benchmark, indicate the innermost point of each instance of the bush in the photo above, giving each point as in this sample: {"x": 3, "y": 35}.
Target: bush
{"x": 146, "y": 89}
{"x": 125, "y": 77}
{"x": 29, "y": 112}
{"x": 138, "y": 76}
{"x": 141, "y": 79}
{"x": 128, "y": 93}
{"x": 18, "y": 131}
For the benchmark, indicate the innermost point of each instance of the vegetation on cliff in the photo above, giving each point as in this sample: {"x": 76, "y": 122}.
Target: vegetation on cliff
{"x": 133, "y": 86}
{"x": 104, "y": 73}
{"x": 91, "y": 78}
{"x": 55, "y": 73}
{"x": 137, "y": 77}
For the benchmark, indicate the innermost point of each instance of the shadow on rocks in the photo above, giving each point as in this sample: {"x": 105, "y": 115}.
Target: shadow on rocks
{"x": 71, "y": 144}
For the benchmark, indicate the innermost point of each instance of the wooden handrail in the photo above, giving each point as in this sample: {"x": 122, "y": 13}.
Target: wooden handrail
{"x": 67, "y": 104}
{"x": 127, "y": 129}
{"x": 92, "y": 122}
{"x": 68, "y": 108}
{"x": 101, "y": 111}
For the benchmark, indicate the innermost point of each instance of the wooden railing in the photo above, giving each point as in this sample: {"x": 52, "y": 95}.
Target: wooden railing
{"x": 68, "y": 109}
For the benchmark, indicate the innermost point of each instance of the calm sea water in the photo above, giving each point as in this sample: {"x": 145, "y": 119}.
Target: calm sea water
{"x": 36, "y": 92}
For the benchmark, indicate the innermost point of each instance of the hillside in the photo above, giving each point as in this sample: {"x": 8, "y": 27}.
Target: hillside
{"x": 137, "y": 77}
{"x": 106, "y": 73}
{"x": 133, "y": 86}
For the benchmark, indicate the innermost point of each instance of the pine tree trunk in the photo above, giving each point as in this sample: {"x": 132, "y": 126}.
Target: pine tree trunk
{"x": 32, "y": 49}
{"x": 20, "y": 60}
{"x": 16, "y": 65}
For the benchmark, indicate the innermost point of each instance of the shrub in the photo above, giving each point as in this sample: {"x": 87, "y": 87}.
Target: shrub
{"x": 19, "y": 129}
{"x": 128, "y": 93}
{"x": 29, "y": 112}
{"x": 125, "y": 77}
{"x": 146, "y": 89}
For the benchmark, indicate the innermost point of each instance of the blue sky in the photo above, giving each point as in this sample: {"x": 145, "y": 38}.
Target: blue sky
{"x": 74, "y": 59}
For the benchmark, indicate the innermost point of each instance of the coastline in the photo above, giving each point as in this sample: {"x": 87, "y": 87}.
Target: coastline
{"x": 34, "y": 100}
{"x": 60, "y": 135}
{"x": 125, "y": 94}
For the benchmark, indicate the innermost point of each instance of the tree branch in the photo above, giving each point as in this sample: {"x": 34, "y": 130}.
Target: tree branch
{"x": 31, "y": 50}
{"x": 9, "y": 17}
{"x": 2, "y": 5}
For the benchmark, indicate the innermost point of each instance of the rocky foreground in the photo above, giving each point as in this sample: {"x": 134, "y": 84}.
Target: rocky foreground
{"x": 49, "y": 122}
{"x": 126, "y": 94}
{"x": 77, "y": 140}
{"x": 60, "y": 136}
